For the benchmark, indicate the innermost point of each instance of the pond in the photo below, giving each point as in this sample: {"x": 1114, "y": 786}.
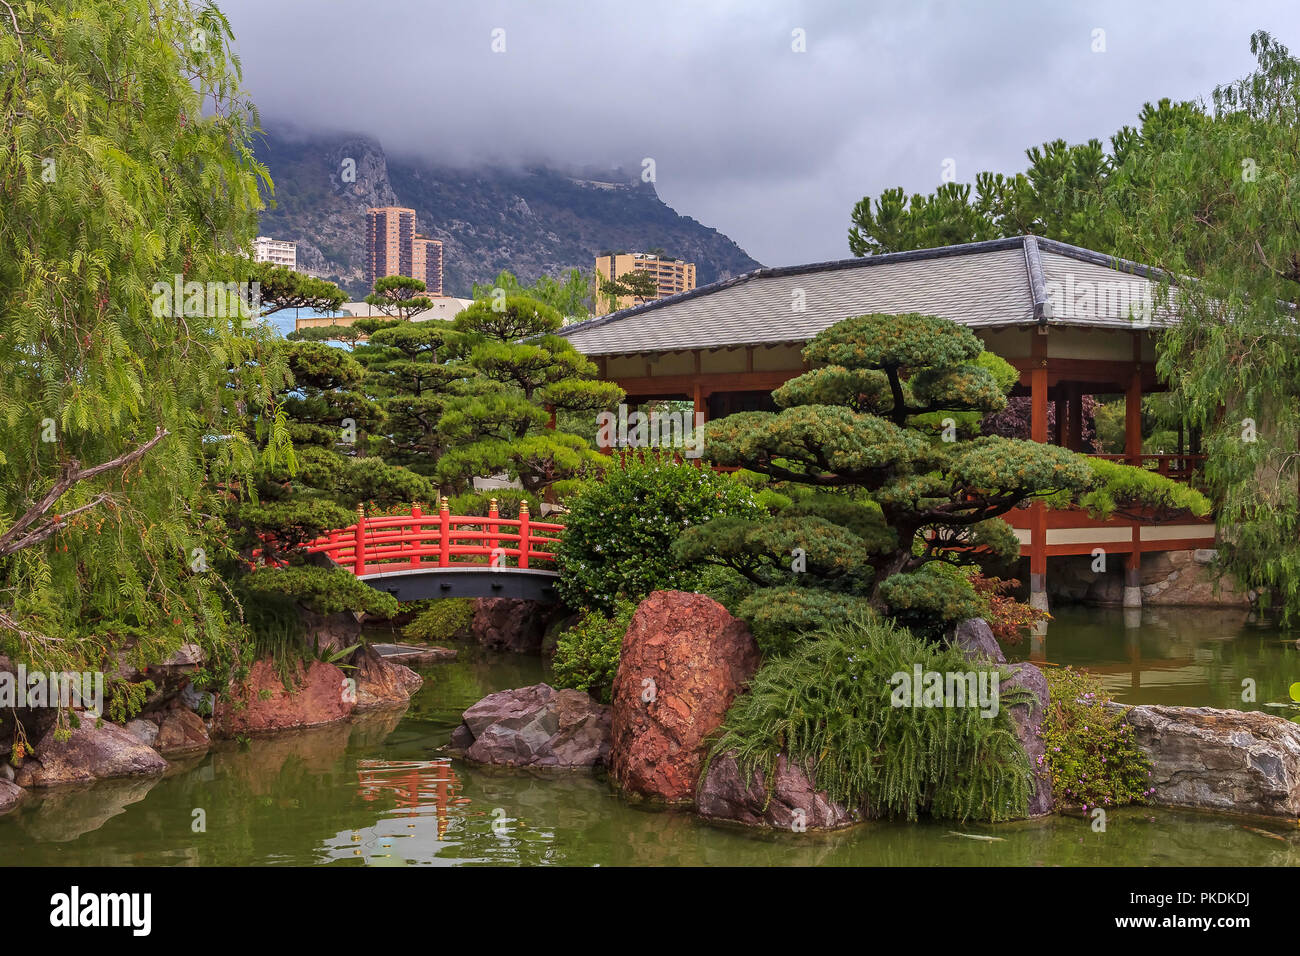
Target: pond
{"x": 379, "y": 793}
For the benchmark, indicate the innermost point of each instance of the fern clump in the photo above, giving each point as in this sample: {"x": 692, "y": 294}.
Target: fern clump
{"x": 827, "y": 705}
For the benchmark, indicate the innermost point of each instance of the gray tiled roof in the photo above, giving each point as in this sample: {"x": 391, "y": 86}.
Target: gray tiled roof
{"x": 1002, "y": 282}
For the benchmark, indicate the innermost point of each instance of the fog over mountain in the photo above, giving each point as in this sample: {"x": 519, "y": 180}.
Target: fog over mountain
{"x": 769, "y": 145}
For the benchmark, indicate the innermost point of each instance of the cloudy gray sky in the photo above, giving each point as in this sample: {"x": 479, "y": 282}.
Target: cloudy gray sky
{"x": 770, "y": 146}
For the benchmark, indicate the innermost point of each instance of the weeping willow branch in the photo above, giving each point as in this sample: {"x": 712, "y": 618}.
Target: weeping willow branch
{"x": 18, "y": 537}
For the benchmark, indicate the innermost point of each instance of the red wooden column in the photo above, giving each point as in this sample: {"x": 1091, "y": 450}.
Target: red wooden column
{"x": 1133, "y": 455}
{"x": 523, "y": 534}
{"x": 444, "y": 533}
{"x": 1133, "y": 416}
{"x": 1037, "y": 510}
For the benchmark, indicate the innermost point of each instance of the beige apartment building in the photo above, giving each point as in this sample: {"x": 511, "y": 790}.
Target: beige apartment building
{"x": 426, "y": 263}
{"x": 394, "y": 248}
{"x": 281, "y": 252}
{"x": 671, "y": 275}
{"x": 390, "y": 241}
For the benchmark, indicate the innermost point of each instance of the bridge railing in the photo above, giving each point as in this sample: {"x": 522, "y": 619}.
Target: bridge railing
{"x": 443, "y": 540}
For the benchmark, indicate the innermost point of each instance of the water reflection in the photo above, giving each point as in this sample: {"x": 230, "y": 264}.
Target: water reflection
{"x": 379, "y": 792}
{"x": 1177, "y": 656}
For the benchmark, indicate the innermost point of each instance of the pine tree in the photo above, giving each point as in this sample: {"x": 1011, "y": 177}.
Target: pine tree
{"x": 523, "y": 374}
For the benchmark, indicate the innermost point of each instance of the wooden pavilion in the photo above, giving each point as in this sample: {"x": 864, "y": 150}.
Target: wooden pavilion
{"x": 1074, "y": 323}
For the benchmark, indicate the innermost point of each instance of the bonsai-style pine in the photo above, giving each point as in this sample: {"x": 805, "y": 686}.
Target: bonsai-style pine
{"x": 281, "y": 288}
{"x": 524, "y": 377}
{"x": 902, "y": 504}
{"x": 318, "y": 487}
{"x": 399, "y": 297}
{"x": 406, "y": 373}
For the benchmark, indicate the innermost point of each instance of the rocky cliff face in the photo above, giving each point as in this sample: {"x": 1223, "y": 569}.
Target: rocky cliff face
{"x": 532, "y": 222}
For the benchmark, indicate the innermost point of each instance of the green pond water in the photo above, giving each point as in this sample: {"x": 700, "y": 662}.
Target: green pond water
{"x": 378, "y": 792}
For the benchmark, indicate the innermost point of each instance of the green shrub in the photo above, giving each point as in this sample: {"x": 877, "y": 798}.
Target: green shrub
{"x": 828, "y": 706}
{"x": 781, "y": 618}
{"x": 586, "y": 655}
{"x": 620, "y": 529}
{"x": 725, "y": 586}
{"x": 508, "y": 499}
{"x": 931, "y": 598}
{"x": 443, "y": 620}
{"x": 1091, "y": 756}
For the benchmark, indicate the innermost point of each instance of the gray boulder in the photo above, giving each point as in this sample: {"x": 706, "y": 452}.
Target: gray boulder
{"x": 975, "y": 637}
{"x": 145, "y": 731}
{"x": 1028, "y": 719}
{"x": 12, "y": 796}
{"x": 1229, "y": 760}
{"x": 91, "y": 753}
{"x": 795, "y": 804}
{"x": 535, "y": 726}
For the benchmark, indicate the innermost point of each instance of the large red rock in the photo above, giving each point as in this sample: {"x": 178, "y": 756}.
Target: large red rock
{"x": 684, "y": 660}
{"x": 320, "y": 695}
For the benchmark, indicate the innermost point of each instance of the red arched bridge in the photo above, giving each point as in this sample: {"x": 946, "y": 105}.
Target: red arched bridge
{"x": 417, "y": 556}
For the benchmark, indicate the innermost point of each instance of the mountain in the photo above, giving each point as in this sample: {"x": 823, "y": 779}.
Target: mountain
{"x": 531, "y": 221}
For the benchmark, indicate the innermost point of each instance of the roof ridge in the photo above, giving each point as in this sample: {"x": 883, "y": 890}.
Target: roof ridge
{"x": 1037, "y": 284}
{"x": 768, "y": 272}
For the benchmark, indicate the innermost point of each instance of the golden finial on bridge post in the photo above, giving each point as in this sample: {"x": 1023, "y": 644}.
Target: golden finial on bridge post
{"x": 443, "y": 503}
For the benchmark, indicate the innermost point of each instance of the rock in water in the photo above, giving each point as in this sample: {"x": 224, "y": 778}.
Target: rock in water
{"x": 382, "y": 683}
{"x": 12, "y": 796}
{"x": 320, "y": 695}
{"x": 91, "y": 753}
{"x": 684, "y": 660}
{"x": 1229, "y": 760}
{"x": 976, "y": 640}
{"x": 535, "y": 726}
{"x": 796, "y": 804}
{"x": 181, "y": 732}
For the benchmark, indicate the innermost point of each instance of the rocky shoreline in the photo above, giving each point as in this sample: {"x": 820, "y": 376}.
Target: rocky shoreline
{"x": 177, "y": 723}
{"x": 685, "y": 659}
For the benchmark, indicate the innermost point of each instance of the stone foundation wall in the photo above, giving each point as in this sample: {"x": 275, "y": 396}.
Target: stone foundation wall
{"x": 1169, "y": 579}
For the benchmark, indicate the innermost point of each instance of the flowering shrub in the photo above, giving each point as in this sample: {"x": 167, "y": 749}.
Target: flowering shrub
{"x": 586, "y": 655}
{"x": 619, "y": 531}
{"x": 1091, "y": 757}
